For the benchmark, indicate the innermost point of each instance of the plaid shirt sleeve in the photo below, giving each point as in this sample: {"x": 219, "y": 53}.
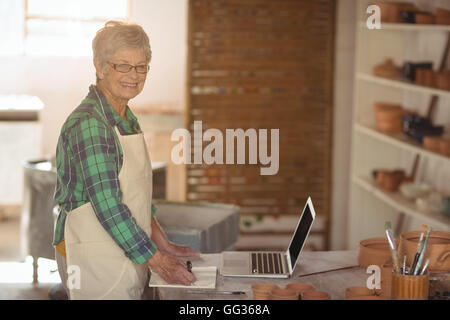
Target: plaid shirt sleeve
{"x": 91, "y": 144}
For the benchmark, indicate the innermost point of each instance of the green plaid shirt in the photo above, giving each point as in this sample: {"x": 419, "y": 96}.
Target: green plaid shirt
{"x": 88, "y": 161}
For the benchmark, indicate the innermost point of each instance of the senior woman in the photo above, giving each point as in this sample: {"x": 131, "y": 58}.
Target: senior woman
{"x": 106, "y": 235}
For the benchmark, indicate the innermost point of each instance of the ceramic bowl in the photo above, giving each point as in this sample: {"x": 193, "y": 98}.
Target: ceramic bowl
{"x": 442, "y": 16}
{"x": 432, "y": 143}
{"x": 284, "y": 294}
{"x": 424, "y": 18}
{"x": 438, "y": 249}
{"x": 315, "y": 295}
{"x": 374, "y": 251}
{"x": 413, "y": 190}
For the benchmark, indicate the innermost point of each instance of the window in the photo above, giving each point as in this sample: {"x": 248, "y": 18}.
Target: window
{"x": 55, "y": 27}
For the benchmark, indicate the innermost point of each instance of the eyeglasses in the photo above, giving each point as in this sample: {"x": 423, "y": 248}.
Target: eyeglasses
{"x": 124, "y": 68}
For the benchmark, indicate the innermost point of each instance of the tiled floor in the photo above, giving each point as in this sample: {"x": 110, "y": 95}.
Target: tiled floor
{"x": 16, "y": 272}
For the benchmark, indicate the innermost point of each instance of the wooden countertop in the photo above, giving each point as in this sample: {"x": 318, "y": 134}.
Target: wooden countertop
{"x": 334, "y": 282}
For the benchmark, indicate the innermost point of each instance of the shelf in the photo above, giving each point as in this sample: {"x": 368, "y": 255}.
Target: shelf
{"x": 408, "y": 27}
{"x": 402, "y": 85}
{"x": 400, "y": 140}
{"x": 400, "y": 203}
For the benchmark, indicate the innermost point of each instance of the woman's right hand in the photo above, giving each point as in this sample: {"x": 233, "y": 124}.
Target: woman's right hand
{"x": 172, "y": 270}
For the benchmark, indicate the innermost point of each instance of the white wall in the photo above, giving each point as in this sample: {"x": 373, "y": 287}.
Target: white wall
{"x": 62, "y": 82}
{"x": 342, "y": 118}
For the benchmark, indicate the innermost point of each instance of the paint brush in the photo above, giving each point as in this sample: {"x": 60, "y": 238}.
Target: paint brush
{"x": 422, "y": 253}
{"x": 418, "y": 251}
{"x": 425, "y": 266}
{"x": 391, "y": 241}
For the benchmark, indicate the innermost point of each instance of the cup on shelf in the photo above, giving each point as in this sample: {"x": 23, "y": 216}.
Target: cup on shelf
{"x": 424, "y": 18}
{"x": 442, "y": 16}
{"x": 442, "y": 80}
{"x": 432, "y": 143}
{"x": 444, "y": 146}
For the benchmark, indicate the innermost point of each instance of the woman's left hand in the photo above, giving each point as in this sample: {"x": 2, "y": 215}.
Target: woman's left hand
{"x": 180, "y": 251}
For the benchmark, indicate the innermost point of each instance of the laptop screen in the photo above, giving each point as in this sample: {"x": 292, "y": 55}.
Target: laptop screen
{"x": 301, "y": 234}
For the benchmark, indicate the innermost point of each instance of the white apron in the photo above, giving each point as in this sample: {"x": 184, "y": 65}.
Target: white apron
{"x": 105, "y": 271}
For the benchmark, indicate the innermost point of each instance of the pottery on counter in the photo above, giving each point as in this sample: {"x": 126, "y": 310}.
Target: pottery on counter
{"x": 438, "y": 249}
{"x": 284, "y": 294}
{"x": 374, "y": 251}
{"x": 315, "y": 295}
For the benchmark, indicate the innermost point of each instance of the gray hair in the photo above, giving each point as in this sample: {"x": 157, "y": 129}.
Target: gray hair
{"x": 116, "y": 36}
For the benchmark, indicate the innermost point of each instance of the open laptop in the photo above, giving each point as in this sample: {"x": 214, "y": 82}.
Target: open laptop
{"x": 270, "y": 264}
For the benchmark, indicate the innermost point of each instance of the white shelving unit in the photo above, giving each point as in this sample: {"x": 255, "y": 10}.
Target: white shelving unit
{"x": 371, "y": 206}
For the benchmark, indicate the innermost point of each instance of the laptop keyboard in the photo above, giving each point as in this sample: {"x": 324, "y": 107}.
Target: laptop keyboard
{"x": 267, "y": 262}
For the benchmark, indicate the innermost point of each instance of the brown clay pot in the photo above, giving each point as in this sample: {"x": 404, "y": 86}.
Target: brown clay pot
{"x": 383, "y": 106}
{"x": 315, "y": 295}
{"x": 390, "y": 180}
{"x": 354, "y": 292}
{"x": 374, "y": 251}
{"x": 424, "y": 18}
{"x": 438, "y": 249}
{"x": 299, "y": 287}
{"x": 284, "y": 294}
{"x": 444, "y": 146}
{"x": 442, "y": 16}
{"x": 262, "y": 290}
{"x": 432, "y": 143}
{"x": 390, "y": 11}
{"x": 387, "y": 70}
{"x": 443, "y": 80}
{"x": 389, "y": 120}
{"x": 370, "y": 298}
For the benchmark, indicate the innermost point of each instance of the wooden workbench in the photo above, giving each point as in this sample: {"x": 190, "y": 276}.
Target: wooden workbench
{"x": 334, "y": 282}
